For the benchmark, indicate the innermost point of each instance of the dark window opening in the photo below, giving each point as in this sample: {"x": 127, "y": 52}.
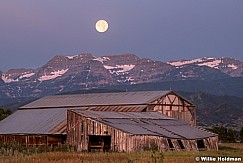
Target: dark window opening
{"x": 200, "y": 145}
{"x": 93, "y": 128}
{"x": 99, "y": 142}
{"x": 170, "y": 144}
{"x": 82, "y": 128}
{"x": 180, "y": 144}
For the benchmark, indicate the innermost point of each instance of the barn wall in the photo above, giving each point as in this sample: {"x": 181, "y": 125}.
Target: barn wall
{"x": 211, "y": 143}
{"x": 174, "y": 106}
{"x": 79, "y": 128}
{"x": 145, "y": 142}
{"x": 34, "y": 140}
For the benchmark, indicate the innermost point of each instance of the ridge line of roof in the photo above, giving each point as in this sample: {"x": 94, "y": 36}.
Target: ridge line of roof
{"x": 106, "y": 93}
{"x": 76, "y": 107}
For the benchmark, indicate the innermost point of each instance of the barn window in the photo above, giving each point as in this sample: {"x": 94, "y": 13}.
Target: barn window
{"x": 170, "y": 144}
{"x": 200, "y": 144}
{"x": 180, "y": 144}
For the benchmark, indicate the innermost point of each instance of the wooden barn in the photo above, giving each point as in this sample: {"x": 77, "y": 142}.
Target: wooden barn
{"x": 89, "y": 130}
{"x": 166, "y": 102}
{"x": 44, "y": 121}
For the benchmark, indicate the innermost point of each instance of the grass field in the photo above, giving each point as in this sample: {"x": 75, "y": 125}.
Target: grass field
{"x": 230, "y": 150}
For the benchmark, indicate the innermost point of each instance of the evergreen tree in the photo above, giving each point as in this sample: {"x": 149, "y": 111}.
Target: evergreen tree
{"x": 225, "y": 135}
{"x": 4, "y": 113}
{"x": 241, "y": 135}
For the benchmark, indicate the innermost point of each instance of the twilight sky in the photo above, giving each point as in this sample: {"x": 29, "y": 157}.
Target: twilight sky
{"x": 32, "y": 32}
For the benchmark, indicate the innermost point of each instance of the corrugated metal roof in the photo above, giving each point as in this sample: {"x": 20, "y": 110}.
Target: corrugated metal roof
{"x": 121, "y": 98}
{"x": 119, "y": 108}
{"x": 146, "y": 123}
{"x": 35, "y": 121}
{"x": 188, "y": 132}
{"x": 161, "y": 131}
{"x": 120, "y": 115}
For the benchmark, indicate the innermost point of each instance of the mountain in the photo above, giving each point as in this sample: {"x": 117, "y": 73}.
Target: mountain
{"x": 85, "y": 71}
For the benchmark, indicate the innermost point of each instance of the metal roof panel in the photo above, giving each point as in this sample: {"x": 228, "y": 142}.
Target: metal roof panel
{"x": 113, "y": 114}
{"x": 34, "y": 121}
{"x": 95, "y": 99}
{"x": 189, "y": 132}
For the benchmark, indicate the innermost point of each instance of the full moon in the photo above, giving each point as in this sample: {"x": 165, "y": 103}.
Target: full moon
{"x": 101, "y": 26}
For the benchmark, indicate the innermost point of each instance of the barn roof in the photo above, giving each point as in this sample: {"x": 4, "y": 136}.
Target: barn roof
{"x": 146, "y": 123}
{"x": 126, "y": 108}
{"x": 97, "y": 99}
{"x": 49, "y": 121}
{"x": 35, "y": 121}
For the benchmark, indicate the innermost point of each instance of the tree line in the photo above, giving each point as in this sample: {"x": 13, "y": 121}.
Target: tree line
{"x": 227, "y": 135}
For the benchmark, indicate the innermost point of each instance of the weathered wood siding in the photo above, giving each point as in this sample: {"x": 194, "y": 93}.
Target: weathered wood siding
{"x": 211, "y": 143}
{"x": 174, "y": 106}
{"x": 145, "y": 142}
{"x": 34, "y": 140}
{"x": 79, "y": 128}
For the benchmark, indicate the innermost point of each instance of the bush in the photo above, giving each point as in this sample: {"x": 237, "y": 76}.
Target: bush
{"x": 225, "y": 135}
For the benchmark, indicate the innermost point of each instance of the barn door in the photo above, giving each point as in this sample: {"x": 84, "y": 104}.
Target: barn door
{"x": 99, "y": 142}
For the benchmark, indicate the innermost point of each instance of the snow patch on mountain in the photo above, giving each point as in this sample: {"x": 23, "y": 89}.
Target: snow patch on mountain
{"x": 52, "y": 75}
{"x": 184, "y": 62}
{"x": 27, "y": 75}
{"x": 102, "y": 59}
{"x": 212, "y": 63}
{"x": 209, "y": 62}
{"x": 119, "y": 68}
{"x": 232, "y": 66}
{"x": 8, "y": 80}
{"x": 71, "y": 57}
{"x": 7, "y": 77}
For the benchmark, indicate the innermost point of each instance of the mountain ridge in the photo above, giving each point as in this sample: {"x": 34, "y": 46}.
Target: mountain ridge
{"x": 85, "y": 71}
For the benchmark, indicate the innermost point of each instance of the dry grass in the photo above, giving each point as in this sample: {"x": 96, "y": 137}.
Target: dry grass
{"x": 232, "y": 145}
{"x": 74, "y": 157}
{"x": 232, "y": 150}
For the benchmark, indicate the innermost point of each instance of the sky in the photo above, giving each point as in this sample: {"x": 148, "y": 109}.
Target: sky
{"x": 33, "y": 32}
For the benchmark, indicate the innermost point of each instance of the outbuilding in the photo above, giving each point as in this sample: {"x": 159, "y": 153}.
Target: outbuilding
{"x": 89, "y": 130}
{"x": 35, "y": 127}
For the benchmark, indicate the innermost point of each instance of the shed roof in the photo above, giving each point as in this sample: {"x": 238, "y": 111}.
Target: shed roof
{"x": 97, "y": 99}
{"x": 35, "y": 121}
{"x": 146, "y": 123}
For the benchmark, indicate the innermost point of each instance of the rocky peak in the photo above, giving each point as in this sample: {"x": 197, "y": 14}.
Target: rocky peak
{"x": 122, "y": 59}
{"x": 82, "y": 56}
